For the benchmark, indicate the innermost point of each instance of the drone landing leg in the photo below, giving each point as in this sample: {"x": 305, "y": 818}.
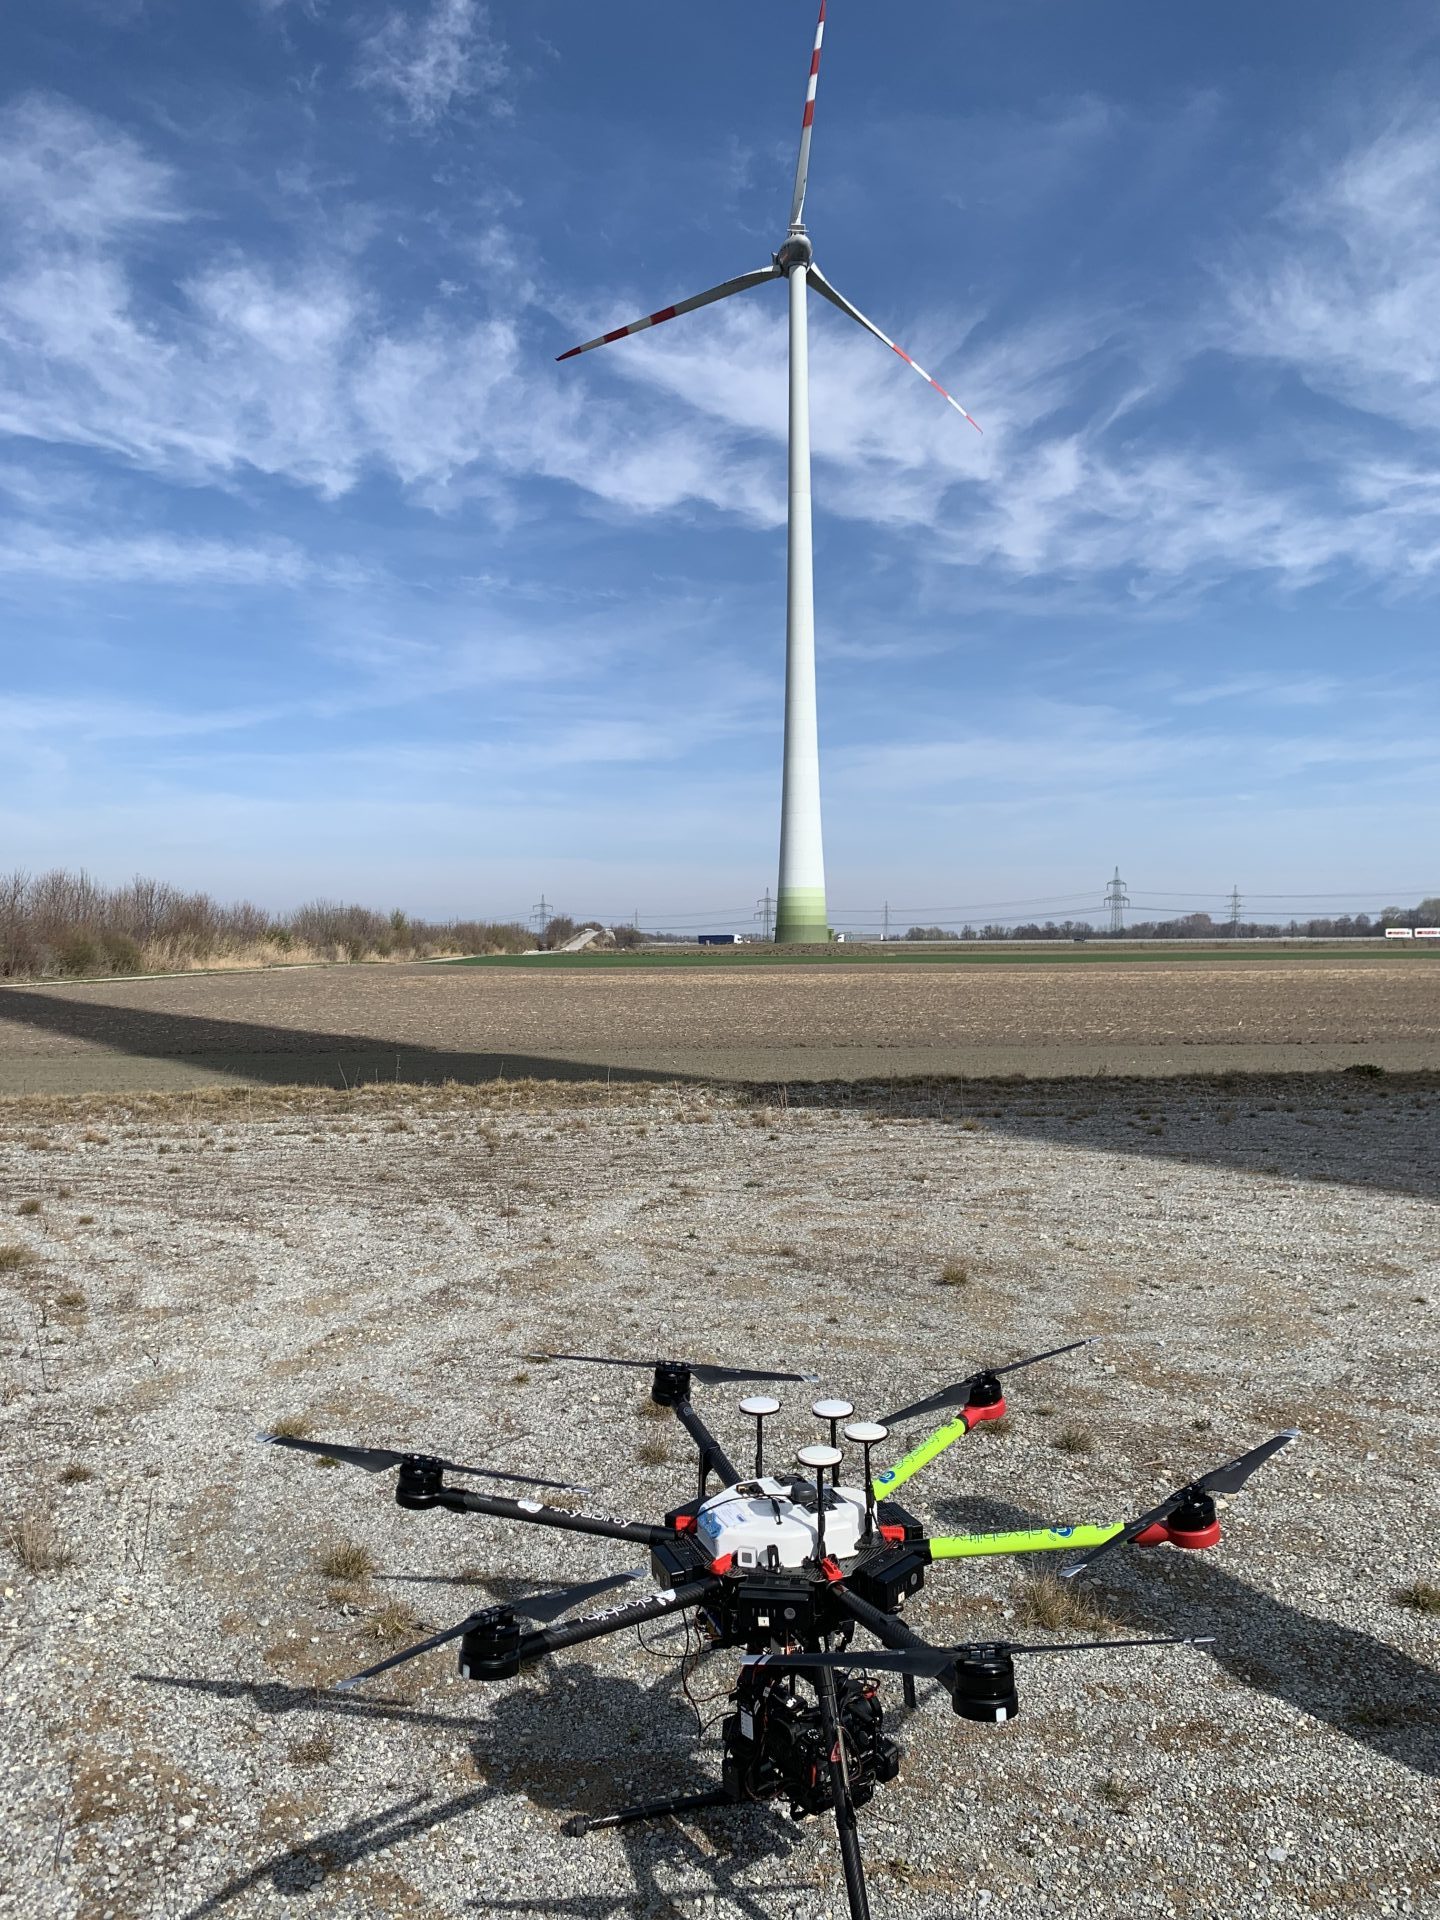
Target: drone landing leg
{"x": 653, "y": 1810}
{"x": 840, "y": 1792}
{"x": 907, "y": 1686}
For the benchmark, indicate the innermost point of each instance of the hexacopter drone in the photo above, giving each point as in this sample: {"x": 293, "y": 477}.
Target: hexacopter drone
{"x": 786, "y": 1566}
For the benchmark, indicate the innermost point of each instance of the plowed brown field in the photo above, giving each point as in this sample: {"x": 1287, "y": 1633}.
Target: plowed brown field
{"x": 426, "y": 1023}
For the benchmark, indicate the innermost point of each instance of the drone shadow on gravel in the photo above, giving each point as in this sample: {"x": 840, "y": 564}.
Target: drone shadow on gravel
{"x": 571, "y": 1741}
{"x": 1365, "y": 1689}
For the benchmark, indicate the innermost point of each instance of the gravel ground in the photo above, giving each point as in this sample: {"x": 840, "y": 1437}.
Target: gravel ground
{"x": 338, "y": 1025}
{"x": 1254, "y": 1255}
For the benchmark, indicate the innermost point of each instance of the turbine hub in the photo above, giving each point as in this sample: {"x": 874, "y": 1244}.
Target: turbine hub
{"x": 797, "y": 250}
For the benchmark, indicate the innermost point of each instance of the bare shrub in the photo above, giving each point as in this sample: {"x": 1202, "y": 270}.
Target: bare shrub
{"x": 33, "y": 1541}
{"x": 67, "y": 923}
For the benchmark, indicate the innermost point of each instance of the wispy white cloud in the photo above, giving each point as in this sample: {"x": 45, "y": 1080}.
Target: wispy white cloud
{"x": 1345, "y": 286}
{"x": 429, "y": 64}
{"x": 154, "y": 560}
{"x": 64, "y": 172}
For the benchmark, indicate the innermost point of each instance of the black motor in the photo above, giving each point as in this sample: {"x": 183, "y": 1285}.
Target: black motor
{"x": 775, "y": 1743}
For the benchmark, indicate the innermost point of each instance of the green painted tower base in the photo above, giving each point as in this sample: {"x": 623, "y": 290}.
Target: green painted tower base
{"x": 800, "y": 919}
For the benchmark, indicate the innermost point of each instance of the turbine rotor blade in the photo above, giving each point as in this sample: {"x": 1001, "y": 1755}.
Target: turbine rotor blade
{"x": 802, "y": 164}
{"x": 722, "y": 292}
{"x": 822, "y": 285}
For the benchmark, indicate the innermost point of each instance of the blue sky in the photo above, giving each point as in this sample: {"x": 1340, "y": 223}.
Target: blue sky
{"x": 319, "y": 576}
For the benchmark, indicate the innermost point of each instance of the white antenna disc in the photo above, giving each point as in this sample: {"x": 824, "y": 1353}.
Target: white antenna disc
{"x": 759, "y": 1406}
{"x": 832, "y": 1409}
{"x": 866, "y": 1433}
{"x": 819, "y": 1456}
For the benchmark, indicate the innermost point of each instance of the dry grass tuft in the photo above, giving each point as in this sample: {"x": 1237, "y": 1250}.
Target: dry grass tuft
{"x": 292, "y": 1426}
{"x": 72, "y": 1299}
{"x": 14, "y": 1258}
{"x": 1041, "y": 1600}
{"x": 956, "y": 1273}
{"x": 394, "y": 1623}
{"x": 33, "y": 1541}
{"x": 28, "y": 1208}
{"x": 75, "y": 1473}
{"x": 1003, "y": 1429}
{"x": 86, "y": 1220}
{"x": 650, "y": 1411}
{"x": 1421, "y": 1596}
{"x": 1074, "y": 1440}
{"x": 653, "y": 1452}
{"x": 346, "y": 1561}
{"x": 315, "y": 1750}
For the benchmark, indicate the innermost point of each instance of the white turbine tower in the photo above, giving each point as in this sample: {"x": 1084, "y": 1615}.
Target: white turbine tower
{"x": 801, "y": 915}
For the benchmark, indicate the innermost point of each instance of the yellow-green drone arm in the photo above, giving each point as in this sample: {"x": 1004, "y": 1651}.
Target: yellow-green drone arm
{"x": 961, "y": 1546}
{"x": 929, "y": 1449}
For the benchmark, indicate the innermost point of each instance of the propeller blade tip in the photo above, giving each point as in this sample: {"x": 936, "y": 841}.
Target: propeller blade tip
{"x": 346, "y": 1686}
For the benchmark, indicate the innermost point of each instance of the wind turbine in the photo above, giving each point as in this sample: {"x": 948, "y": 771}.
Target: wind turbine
{"x": 801, "y": 916}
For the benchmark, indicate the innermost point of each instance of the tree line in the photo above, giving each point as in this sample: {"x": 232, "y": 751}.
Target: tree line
{"x": 1201, "y": 926}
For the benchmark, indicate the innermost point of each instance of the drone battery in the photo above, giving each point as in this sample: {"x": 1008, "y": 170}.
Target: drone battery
{"x": 769, "y": 1612}
{"x": 673, "y": 1562}
{"x": 887, "y": 1579}
{"x": 891, "y": 1515}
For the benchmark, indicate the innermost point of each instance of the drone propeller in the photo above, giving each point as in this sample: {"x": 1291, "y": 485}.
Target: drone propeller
{"x": 712, "y": 1376}
{"x": 381, "y": 1459}
{"x": 540, "y": 1607}
{"x": 1197, "y": 1495}
{"x": 927, "y": 1663}
{"x": 959, "y": 1392}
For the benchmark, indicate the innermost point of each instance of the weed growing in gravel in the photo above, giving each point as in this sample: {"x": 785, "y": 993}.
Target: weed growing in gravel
{"x": 293, "y": 1426}
{"x": 1421, "y": 1596}
{"x": 1003, "y": 1428}
{"x": 28, "y": 1208}
{"x": 14, "y": 1258}
{"x": 346, "y": 1561}
{"x": 33, "y": 1541}
{"x": 74, "y": 1473}
{"x": 653, "y": 1452}
{"x": 1118, "y": 1794}
{"x": 1074, "y": 1440}
{"x": 1041, "y": 1600}
{"x": 72, "y": 1299}
{"x": 86, "y": 1220}
{"x": 955, "y": 1273}
{"x": 393, "y": 1623}
{"x": 649, "y": 1410}
{"x": 315, "y": 1750}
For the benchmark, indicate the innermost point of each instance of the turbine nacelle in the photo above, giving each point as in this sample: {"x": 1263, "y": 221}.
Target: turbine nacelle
{"x": 796, "y": 252}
